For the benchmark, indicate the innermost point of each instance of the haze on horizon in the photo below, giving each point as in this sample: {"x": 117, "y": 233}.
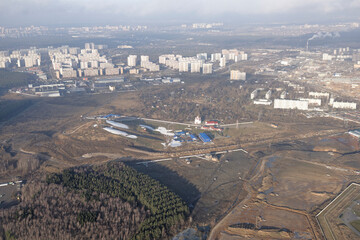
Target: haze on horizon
{"x": 166, "y": 12}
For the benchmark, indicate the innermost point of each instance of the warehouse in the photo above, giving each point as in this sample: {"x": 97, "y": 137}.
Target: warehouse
{"x": 204, "y": 137}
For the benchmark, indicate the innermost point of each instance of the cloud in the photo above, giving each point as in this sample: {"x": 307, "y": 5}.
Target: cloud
{"x": 72, "y": 10}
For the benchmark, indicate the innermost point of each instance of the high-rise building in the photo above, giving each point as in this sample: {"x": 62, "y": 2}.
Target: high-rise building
{"x": 132, "y": 60}
{"x": 207, "y": 68}
{"x": 89, "y": 46}
{"x": 195, "y": 67}
{"x": 201, "y": 56}
{"x": 215, "y": 57}
{"x": 222, "y": 62}
{"x": 183, "y": 66}
{"x": 144, "y": 58}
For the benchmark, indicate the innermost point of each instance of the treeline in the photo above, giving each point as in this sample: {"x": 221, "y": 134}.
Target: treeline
{"x": 168, "y": 211}
{"x": 14, "y": 79}
{"x": 52, "y": 211}
{"x": 215, "y": 100}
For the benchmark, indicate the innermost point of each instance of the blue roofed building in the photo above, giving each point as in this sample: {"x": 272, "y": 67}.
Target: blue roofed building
{"x": 204, "y": 137}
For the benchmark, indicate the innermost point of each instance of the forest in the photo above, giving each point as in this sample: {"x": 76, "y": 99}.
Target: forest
{"x": 111, "y": 201}
{"x": 14, "y": 79}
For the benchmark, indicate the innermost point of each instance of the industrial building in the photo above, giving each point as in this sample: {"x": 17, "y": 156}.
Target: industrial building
{"x": 204, "y": 138}
{"x": 291, "y": 104}
{"x": 50, "y": 90}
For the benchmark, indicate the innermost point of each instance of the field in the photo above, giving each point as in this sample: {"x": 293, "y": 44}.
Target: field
{"x": 289, "y": 168}
{"x": 209, "y": 187}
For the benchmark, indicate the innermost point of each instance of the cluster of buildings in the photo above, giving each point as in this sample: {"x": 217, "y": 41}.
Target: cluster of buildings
{"x": 312, "y": 102}
{"x": 185, "y": 136}
{"x": 202, "y": 63}
{"x": 18, "y": 32}
{"x": 340, "y": 54}
{"x": 72, "y": 62}
{"x": 213, "y": 125}
{"x": 202, "y": 25}
{"x": 158, "y": 80}
{"x": 186, "y": 64}
{"x": 20, "y": 58}
{"x": 145, "y": 63}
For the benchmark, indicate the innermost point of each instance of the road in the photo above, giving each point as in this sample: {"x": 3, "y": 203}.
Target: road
{"x": 201, "y": 156}
{"x": 236, "y": 211}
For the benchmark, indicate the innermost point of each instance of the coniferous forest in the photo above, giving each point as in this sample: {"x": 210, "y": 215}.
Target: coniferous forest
{"x": 111, "y": 201}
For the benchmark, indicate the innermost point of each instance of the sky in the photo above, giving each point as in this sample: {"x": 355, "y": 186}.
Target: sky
{"x": 145, "y": 12}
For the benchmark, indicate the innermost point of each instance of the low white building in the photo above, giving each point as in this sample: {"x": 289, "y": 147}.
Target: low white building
{"x": 291, "y": 104}
{"x": 268, "y": 95}
{"x": 262, "y": 102}
{"x": 344, "y": 105}
{"x": 312, "y": 101}
{"x": 254, "y": 94}
{"x": 197, "y": 120}
{"x": 319, "y": 94}
{"x": 283, "y": 95}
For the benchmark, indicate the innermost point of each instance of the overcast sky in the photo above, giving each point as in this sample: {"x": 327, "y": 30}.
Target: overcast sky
{"x": 92, "y": 12}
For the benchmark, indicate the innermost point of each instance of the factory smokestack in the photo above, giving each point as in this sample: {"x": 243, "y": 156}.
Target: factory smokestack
{"x": 307, "y": 45}
{"x": 322, "y": 35}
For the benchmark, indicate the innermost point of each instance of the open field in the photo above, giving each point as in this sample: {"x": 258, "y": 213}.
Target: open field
{"x": 210, "y": 188}
{"x": 289, "y": 171}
